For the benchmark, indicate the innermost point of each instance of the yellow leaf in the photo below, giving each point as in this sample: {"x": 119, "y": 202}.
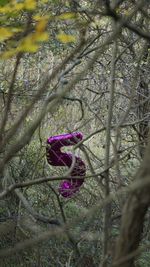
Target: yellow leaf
{"x": 66, "y": 38}
{"x": 30, "y": 4}
{"x": 12, "y": 7}
{"x": 8, "y": 54}
{"x": 41, "y": 25}
{"x": 44, "y": 1}
{"x": 5, "y": 34}
{"x": 6, "y": 9}
{"x": 38, "y": 17}
{"x": 18, "y": 7}
{"x": 68, "y": 15}
{"x": 41, "y": 37}
{"x": 28, "y": 45}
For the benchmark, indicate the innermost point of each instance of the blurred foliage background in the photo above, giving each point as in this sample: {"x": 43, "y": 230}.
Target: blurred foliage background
{"x": 47, "y": 46}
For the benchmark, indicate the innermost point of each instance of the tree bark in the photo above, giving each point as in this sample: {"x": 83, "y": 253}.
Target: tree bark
{"x": 133, "y": 217}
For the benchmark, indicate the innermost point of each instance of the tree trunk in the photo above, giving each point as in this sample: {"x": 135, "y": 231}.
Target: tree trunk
{"x": 133, "y": 217}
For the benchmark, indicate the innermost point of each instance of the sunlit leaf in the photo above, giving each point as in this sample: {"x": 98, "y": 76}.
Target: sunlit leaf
{"x": 68, "y": 15}
{"x": 6, "y": 9}
{"x": 5, "y": 33}
{"x": 8, "y": 54}
{"x": 66, "y": 38}
{"x": 18, "y": 7}
{"x": 38, "y": 17}
{"x": 41, "y": 25}
{"x": 30, "y": 4}
{"x": 41, "y": 37}
{"x": 12, "y": 7}
{"x": 28, "y": 45}
{"x": 44, "y": 1}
